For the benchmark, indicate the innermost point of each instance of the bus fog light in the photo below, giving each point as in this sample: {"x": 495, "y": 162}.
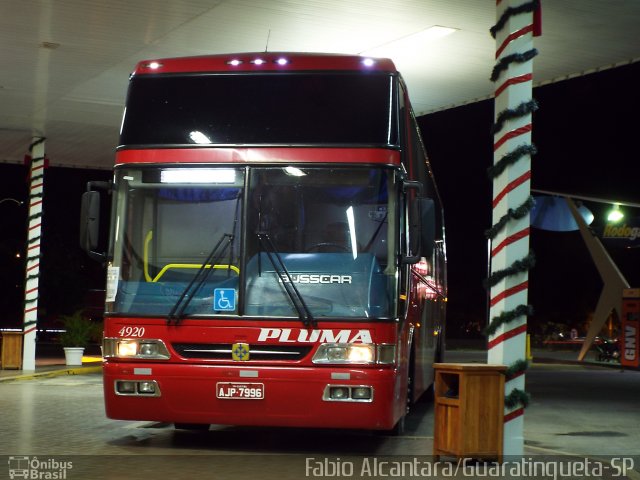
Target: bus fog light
{"x": 147, "y": 388}
{"x": 339, "y": 393}
{"x": 125, "y": 388}
{"x": 361, "y": 393}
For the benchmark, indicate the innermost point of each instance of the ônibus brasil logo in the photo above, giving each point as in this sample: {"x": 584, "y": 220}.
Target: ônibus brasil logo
{"x": 35, "y": 468}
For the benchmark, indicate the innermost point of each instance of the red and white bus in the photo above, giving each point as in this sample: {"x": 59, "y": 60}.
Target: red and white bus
{"x": 277, "y": 252}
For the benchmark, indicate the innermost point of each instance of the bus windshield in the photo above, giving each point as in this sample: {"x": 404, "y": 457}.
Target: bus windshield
{"x": 330, "y": 233}
{"x": 249, "y": 109}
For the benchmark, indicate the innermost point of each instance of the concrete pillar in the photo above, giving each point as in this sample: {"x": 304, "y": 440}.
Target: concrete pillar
{"x": 32, "y": 272}
{"x": 511, "y": 172}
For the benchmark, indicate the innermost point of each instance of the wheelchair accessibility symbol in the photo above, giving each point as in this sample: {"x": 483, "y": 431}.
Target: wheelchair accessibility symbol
{"x": 224, "y": 299}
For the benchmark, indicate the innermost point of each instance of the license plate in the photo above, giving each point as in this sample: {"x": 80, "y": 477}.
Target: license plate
{"x": 242, "y": 391}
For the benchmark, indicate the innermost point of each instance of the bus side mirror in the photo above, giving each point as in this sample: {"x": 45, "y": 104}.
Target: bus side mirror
{"x": 414, "y": 217}
{"x": 428, "y": 228}
{"x": 90, "y": 224}
{"x": 422, "y": 225}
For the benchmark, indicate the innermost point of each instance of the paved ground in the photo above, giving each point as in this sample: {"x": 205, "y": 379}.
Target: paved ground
{"x": 581, "y": 410}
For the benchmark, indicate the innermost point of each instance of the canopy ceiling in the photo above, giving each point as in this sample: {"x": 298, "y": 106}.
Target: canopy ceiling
{"x": 66, "y": 62}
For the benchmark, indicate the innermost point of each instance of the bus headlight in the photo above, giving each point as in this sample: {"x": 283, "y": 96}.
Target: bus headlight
{"x": 345, "y": 353}
{"x": 143, "y": 348}
{"x": 127, "y": 348}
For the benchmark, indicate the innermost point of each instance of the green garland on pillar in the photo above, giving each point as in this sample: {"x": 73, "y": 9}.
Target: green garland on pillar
{"x": 37, "y": 142}
{"x": 517, "y": 397}
{"x": 504, "y": 62}
{"x": 33, "y": 257}
{"x": 516, "y": 368}
{"x": 509, "y": 159}
{"x": 512, "y": 214}
{"x": 519, "y": 266}
{"x": 525, "y": 108}
{"x": 507, "y": 317}
{"x": 511, "y": 12}
{"x": 35, "y": 275}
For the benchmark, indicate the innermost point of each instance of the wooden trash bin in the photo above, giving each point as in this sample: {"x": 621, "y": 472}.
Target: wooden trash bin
{"x": 11, "y": 355}
{"x": 469, "y": 410}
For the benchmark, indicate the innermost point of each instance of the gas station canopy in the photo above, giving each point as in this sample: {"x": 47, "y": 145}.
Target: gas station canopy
{"x": 66, "y": 63}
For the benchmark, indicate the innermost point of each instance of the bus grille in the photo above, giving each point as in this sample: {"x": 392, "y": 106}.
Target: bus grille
{"x": 222, "y": 351}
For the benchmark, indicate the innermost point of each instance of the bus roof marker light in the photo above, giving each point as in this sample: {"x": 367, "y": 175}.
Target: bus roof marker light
{"x": 235, "y": 62}
{"x": 368, "y": 62}
{"x": 199, "y": 137}
{"x": 258, "y": 61}
{"x": 282, "y": 61}
{"x": 152, "y": 65}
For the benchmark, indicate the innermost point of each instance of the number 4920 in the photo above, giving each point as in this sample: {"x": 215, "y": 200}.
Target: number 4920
{"x": 131, "y": 332}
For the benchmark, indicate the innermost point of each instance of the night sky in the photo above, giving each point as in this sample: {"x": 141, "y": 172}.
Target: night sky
{"x": 586, "y": 133}
{"x": 66, "y": 272}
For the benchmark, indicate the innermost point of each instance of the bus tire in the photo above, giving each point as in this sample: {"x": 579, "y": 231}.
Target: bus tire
{"x": 439, "y": 356}
{"x": 399, "y": 428}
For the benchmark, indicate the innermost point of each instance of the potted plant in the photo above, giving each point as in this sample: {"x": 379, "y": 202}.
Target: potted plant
{"x": 78, "y": 332}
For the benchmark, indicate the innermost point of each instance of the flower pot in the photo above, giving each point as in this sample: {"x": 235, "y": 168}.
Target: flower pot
{"x": 73, "y": 355}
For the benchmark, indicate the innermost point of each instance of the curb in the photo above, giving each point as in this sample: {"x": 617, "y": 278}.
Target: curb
{"x": 556, "y": 361}
{"x": 53, "y": 373}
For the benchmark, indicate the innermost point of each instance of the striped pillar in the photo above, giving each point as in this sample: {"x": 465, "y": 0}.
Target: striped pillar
{"x": 32, "y": 275}
{"x": 511, "y": 174}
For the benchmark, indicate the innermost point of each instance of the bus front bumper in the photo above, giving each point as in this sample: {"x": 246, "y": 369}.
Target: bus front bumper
{"x": 258, "y": 396}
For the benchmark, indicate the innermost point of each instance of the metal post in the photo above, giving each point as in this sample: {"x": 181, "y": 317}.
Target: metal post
{"x": 32, "y": 272}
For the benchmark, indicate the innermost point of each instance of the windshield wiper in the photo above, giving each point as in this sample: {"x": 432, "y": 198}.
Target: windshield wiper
{"x": 200, "y": 277}
{"x": 289, "y": 286}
